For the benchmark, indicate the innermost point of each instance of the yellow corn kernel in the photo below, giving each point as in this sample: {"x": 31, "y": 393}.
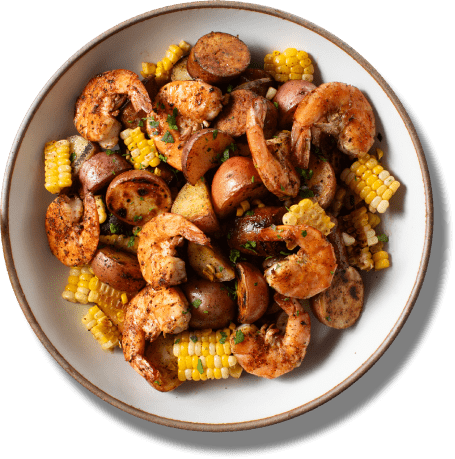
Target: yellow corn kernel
{"x": 382, "y": 264}
{"x": 148, "y": 69}
{"x": 184, "y": 46}
{"x": 57, "y": 166}
{"x": 290, "y": 52}
{"x": 103, "y": 330}
{"x": 309, "y": 213}
{"x": 291, "y": 61}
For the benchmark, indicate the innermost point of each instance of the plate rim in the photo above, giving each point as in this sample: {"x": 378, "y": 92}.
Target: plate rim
{"x": 236, "y": 426}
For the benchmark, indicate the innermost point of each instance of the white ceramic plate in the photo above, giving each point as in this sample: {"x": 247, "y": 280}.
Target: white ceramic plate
{"x": 335, "y": 359}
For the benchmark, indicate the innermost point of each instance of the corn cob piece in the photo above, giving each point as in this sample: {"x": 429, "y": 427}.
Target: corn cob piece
{"x": 357, "y": 224}
{"x": 369, "y": 180}
{"x": 310, "y": 213}
{"x": 360, "y": 257}
{"x": 102, "y": 328}
{"x": 127, "y": 243}
{"x": 143, "y": 152}
{"x": 292, "y": 64}
{"x": 57, "y": 166}
{"x": 101, "y": 208}
{"x": 205, "y": 354}
{"x": 111, "y": 301}
{"x": 77, "y": 289}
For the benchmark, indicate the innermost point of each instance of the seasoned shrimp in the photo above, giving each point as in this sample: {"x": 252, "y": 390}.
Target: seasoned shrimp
{"x": 305, "y": 273}
{"x": 271, "y": 157}
{"x": 148, "y": 314}
{"x": 269, "y": 353}
{"x": 337, "y": 109}
{"x": 181, "y": 108}
{"x": 158, "y": 241}
{"x": 73, "y": 229}
{"x": 99, "y": 103}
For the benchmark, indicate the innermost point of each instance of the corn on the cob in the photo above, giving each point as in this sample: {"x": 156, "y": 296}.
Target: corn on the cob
{"x": 205, "y": 354}
{"x": 143, "y": 152}
{"x": 360, "y": 257}
{"x": 357, "y": 224}
{"x": 57, "y": 166}
{"x": 102, "y": 328}
{"x": 101, "y": 208}
{"x": 292, "y": 64}
{"x": 369, "y": 180}
{"x": 127, "y": 243}
{"x": 310, "y": 213}
{"x": 111, "y": 301}
{"x": 77, "y": 289}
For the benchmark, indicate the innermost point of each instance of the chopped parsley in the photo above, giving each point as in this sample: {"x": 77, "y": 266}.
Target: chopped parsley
{"x": 113, "y": 228}
{"x": 276, "y": 104}
{"x": 199, "y": 366}
{"x": 140, "y": 123}
{"x": 177, "y": 341}
{"x": 285, "y": 253}
{"x": 193, "y": 338}
{"x": 131, "y": 241}
{"x": 306, "y": 193}
{"x": 229, "y": 88}
{"x": 72, "y": 157}
{"x": 221, "y": 269}
{"x": 167, "y": 137}
{"x": 304, "y": 233}
{"x": 239, "y": 337}
{"x": 255, "y": 284}
{"x": 153, "y": 123}
{"x": 215, "y": 133}
{"x": 162, "y": 158}
{"x": 305, "y": 173}
{"x": 137, "y": 217}
{"x": 249, "y": 213}
{"x": 172, "y": 121}
{"x": 383, "y": 238}
{"x": 282, "y": 188}
{"x": 109, "y": 152}
{"x": 196, "y": 303}
{"x": 234, "y": 255}
{"x": 252, "y": 179}
{"x": 250, "y": 245}
{"x": 223, "y": 337}
{"x": 328, "y": 319}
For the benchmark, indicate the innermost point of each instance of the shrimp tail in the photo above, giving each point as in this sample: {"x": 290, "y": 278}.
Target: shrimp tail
{"x": 301, "y": 145}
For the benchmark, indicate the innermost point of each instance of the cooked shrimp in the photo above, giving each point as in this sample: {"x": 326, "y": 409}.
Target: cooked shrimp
{"x": 305, "y": 273}
{"x": 148, "y": 314}
{"x": 269, "y": 353}
{"x": 181, "y": 108}
{"x": 73, "y": 229}
{"x": 271, "y": 157}
{"x": 99, "y": 103}
{"x": 158, "y": 241}
{"x": 337, "y": 109}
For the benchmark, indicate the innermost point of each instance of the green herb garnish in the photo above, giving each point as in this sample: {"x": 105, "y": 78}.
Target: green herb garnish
{"x": 383, "y": 238}
{"x": 196, "y": 303}
{"x": 239, "y": 337}
{"x": 167, "y": 137}
{"x": 172, "y": 121}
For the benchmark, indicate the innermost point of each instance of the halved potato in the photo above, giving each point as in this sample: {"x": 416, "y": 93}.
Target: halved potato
{"x": 82, "y": 149}
{"x": 118, "y": 269}
{"x": 179, "y": 72}
{"x": 136, "y": 197}
{"x": 323, "y": 182}
{"x": 210, "y": 263}
{"x": 235, "y": 181}
{"x": 252, "y": 293}
{"x": 194, "y": 203}
{"x": 203, "y": 151}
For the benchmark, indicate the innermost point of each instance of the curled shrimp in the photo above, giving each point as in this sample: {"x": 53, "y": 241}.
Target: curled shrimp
{"x": 271, "y": 157}
{"x": 73, "y": 229}
{"x": 181, "y": 108}
{"x": 158, "y": 242}
{"x": 100, "y": 101}
{"x": 269, "y": 353}
{"x": 305, "y": 273}
{"x": 148, "y": 314}
{"x": 337, "y": 109}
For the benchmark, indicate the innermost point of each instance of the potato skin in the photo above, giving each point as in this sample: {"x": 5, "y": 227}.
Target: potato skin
{"x": 323, "y": 182}
{"x": 341, "y": 304}
{"x": 235, "y": 181}
{"x": 118, "y": 269}
{"x": 136, "y": 197}
{"x": 217, "y": 57}
{"x": 180, "y": 72}
{"x": 252, "y": 293}
{"x": 98, "y": 171}
{"x": 211, "y": 305}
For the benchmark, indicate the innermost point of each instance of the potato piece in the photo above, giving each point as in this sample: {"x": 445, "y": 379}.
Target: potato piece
{"x": 341, "y": 304}
{"x": 194, "y": 203}
{"x": 252, "y": 293}
{"x": 203, "y": 151}
{"x": 235, "y": 181}
{"x": 211, "y": 305}
{"x": 80, "y": 150}
{"x": 252, "y": 74}
{"x": 259, "y": 87}
{"x": 210, "y": 263}
{"x": 179, "y": 72}
{"x": 118, "y": 269}
{"x": 136, "y": 197}
{"x": 288, "y": 97}
{"x": 323, "y": 182}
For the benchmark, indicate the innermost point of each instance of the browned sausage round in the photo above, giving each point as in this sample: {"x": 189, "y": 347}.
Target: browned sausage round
{"x": 136, "y": 197}
{"x": 232, "y": 118}
{"x": 218, "y": 57}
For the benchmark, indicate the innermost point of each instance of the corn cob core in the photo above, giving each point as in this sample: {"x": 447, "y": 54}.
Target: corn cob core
{"x": 310, "y": 213}
{"x": 57, "y": 166}
{"x": 102, "y": 328}
{"x": 292, "y": 64}
{"x": 127, "y": 243}
{"x": 143, "y": 152}
{"x": 205, "y": 354}
{"x": 77, "y": 289}
{"x": 369, "y": 180}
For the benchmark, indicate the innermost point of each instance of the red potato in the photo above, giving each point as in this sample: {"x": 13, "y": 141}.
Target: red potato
{"x": 288, "y": 97}
{"x": 136, "y": 197}
{"x": 252, "y": 293}
{"x": 323, "y": 182}
{"x": 202, "y": 151}
{"x": 98, "y": 171}
{"x": 235, "y": 181}
{"x": 217, "y": 58}
{"x": 259, "y": 87}
{"x": 180, "y": 72}
{"x": 82, "y": 150}
{"x": 212, "y": 307}
{"x": 252, "y": 74}
{"x": 210, "y": 263}
{"x": 118, "y": 269}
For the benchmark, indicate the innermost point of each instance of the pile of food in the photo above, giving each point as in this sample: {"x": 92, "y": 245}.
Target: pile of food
{"x": 199, "y": 207}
